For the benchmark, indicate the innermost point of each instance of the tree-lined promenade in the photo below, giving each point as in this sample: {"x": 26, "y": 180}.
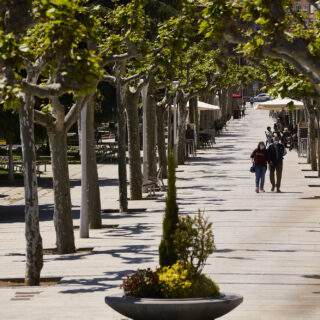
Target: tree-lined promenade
{"x": 267, "y": 244}
{"x": 61, "y": 61}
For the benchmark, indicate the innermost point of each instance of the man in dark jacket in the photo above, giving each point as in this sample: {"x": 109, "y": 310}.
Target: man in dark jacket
{"x": 276, "y": 152}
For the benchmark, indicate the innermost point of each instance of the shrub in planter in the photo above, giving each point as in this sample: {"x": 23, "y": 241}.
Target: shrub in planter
{"x": 180, "y": 281}
{"x": 143, "y": 284}
{"x": 179, "y": 289}
{"x": 194, "y": 241}
{"x": 167, "y": 252}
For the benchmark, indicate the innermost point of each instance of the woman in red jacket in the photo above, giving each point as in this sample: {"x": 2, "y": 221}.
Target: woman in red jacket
{"x": 260, "y": 159}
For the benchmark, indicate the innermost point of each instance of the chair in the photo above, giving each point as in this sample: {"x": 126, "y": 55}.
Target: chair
{"x": 154, "y": 183}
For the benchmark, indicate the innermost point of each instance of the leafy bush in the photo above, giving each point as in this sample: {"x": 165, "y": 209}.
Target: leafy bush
{"x": 167, "y": 252}
{"x": 175, "y": 281}
{"x": 179, "y": 281}
{"x": 194, "y": 241}
{"x": 204, "y": 287}
{"x": 143, "y": 284}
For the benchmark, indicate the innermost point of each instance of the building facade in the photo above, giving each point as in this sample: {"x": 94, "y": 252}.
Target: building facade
{"x": 304, "y": 7}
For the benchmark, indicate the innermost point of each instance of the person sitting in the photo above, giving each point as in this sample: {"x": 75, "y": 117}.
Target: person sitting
{"x": 286, "y": 137}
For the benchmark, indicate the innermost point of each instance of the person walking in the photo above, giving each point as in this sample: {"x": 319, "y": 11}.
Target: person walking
{"x": 259, "y": 158}
{"x": 269, "y": 136}
{"x": 276, "y": 152}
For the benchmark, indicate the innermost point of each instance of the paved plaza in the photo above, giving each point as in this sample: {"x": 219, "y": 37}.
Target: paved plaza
{"x": 268, "y": 245}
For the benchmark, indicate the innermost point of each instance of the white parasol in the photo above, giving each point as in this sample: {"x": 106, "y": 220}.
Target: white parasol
{"x": 279, "y": 104}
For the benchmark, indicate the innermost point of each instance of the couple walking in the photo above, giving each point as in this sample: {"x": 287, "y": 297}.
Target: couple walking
{"x": 273, "y": 155}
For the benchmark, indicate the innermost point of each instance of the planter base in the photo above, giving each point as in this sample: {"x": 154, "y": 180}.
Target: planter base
{"x": 174, "y": 309}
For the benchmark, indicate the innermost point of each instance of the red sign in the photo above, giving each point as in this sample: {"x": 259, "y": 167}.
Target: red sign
{"x": 236, "y": 95}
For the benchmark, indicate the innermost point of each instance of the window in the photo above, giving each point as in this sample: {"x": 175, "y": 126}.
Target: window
{"x": 306, "y": 8}
{"x": 297, "y": 6}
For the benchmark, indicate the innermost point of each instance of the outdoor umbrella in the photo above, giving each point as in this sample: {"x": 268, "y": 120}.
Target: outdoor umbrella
{"x": 279, "y": 105}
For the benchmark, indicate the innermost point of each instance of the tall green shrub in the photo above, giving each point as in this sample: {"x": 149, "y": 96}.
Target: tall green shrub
{"x": 167, "y": 252}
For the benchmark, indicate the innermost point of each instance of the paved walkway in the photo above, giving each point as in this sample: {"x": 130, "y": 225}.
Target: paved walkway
{"x": 268, "y": 245}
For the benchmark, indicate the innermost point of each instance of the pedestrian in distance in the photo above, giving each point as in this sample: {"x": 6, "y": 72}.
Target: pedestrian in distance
{"x": 276, "y": 153}
{"x": 259, "y": 158}
{"x": 269, "y": 136}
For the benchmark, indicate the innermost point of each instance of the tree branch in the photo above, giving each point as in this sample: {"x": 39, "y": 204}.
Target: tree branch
{"x": 50, "y": 90}
{"x": 72, "y": 116}
{"x": 44, "y": 119}
{"x": 119, "y": 57}
{"x": 131, "y": 78}
{"x": 110, "y": 79}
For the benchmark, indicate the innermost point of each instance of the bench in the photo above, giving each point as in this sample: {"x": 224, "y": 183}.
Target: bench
{"x": 154, "y": 184}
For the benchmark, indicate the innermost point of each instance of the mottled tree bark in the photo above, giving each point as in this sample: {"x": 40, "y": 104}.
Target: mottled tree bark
{"x": 194, "y": 117}
{"x": 122, "y": 146}
{"x": 161, "y": 140}
{"x": 90, "y": 212}
{"x": 318, "y": 141}
{"x": 182, "y": 118}
{"x": 151, "y": 161}
{"x": 10, "y": 163}
{"x": 61, "y": 186}
{"x": 312, "y": 148}
{"x": 134, "y": 145}
{"x": 34, "y": 256}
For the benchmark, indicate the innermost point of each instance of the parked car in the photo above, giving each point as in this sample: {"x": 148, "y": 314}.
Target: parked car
{"x": 261, "y": 97}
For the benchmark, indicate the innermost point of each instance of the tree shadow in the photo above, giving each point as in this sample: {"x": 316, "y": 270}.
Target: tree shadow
{"x": 311, "y": 276}
{"x": 233, "y": 258}
{"x": 130, "y": 230}
{"x": 90, "y": 285}
{"x": 128, "y": 254}
{"x": 15, "y": 213}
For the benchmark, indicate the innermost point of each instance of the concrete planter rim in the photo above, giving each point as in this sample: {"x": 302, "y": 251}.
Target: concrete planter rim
{"x": 147, "y": 308}
{"x": 221, "y": 296}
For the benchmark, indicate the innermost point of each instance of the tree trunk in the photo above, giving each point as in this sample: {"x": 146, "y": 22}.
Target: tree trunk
{"x": 61, "y": 186}
{"x": 194, "y": 118}
{"x": 90, "y": 213}
{"x": 318, "y": 141}
{"x": 318, "y": 154}
{"x": 161, "y": 140}
{"x": 312, "y": 142}
{"x": 182, "y": 133}
{"x": 170, "y": 129}
{"x": 34, "y": 255}
{"x": 10, "y": 164}
{"x": 151, "y": 156}
{"x": 134, "y": 146}
{"x": 122, "y": 162}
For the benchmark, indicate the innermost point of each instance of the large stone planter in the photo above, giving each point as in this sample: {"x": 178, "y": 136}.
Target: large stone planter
{"x": 174, "y": 309}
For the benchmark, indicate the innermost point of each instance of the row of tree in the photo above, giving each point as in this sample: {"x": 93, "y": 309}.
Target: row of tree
{"x": 54, "y": 54}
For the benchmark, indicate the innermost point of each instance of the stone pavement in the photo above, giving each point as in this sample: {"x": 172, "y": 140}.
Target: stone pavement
{"x": 268, "y": 245}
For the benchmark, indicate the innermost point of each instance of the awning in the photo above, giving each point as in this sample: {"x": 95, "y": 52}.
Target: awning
{"x": 279, "y": 104}
{"x": 203, "y": 106}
